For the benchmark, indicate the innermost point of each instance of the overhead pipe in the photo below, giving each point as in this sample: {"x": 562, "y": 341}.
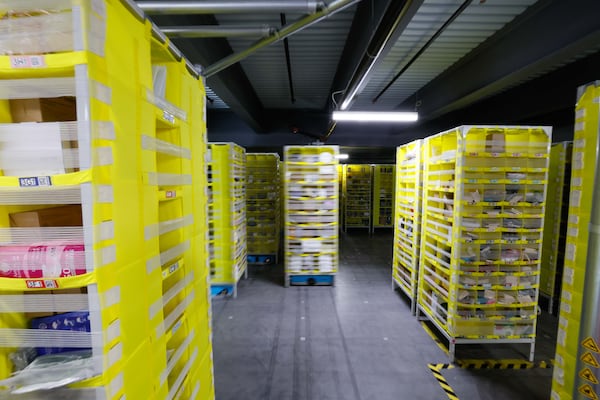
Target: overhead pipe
{"x": 229, "y": 6}
{"x": 334, "y": 7}
{"x": 213, "y": 31}
{"x": 462, "y": 8}
{"x": 393, "y": 23}
{"x": 288, "y": 62}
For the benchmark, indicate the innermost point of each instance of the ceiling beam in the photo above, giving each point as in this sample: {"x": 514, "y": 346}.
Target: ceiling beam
{"x": 231, "y": 85}
{"x": 538, "y": 40}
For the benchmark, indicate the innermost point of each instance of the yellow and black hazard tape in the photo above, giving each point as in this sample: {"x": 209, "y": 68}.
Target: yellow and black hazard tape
{"x": 433, "y": 336}
{"x": 501, "y": 364}
{"x": 436, "y": 370}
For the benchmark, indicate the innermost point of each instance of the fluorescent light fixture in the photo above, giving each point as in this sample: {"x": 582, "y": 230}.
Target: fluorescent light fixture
{"x": 342, "y": 156}
{"x": 375, "y": 116}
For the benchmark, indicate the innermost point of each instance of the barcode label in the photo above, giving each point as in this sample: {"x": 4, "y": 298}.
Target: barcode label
{"x": 27, "y": 61}
{"x": 34, "y": 181}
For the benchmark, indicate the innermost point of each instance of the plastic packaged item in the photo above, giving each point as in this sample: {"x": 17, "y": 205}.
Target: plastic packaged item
{"x": 72, "y": 321}
{"x": 52, "y": 371}
{"x": 44, "y": 260}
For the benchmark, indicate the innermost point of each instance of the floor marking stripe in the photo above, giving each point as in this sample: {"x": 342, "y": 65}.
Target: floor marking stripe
{"x": 434, "y": 337}
{"x": 436, "y": 371}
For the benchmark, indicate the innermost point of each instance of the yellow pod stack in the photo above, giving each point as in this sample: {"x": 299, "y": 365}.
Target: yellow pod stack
{"x": 554, "y": 225}
{"x": 585, "y": 154}
{"x": 407, "y": 217}
{"x": 484, "y": 191}
{"x": 358, "y": 182}
{"x": 111, "y": 175}
{"x": 383, "y": 196}
{"x": 263, "y": 207}
{"x": 227, "y": 186}
{"x": 311, "y": 212}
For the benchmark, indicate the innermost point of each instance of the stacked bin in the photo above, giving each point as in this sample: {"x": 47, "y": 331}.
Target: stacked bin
{"x": 263, "y": 207}
{"x": 227, "y": 216}
{"x": 484, "y": 190}
{"x": 383, "y": 196}
{"x": 173, "y": 143}
{"x": 585, "y": 155}
{"x": 407, "y": 226}
{"x": 357, "y": 196}
{"x": 555, "y": 223}
{"x": 114, "y": 274}
{"x": 311, "y": 214}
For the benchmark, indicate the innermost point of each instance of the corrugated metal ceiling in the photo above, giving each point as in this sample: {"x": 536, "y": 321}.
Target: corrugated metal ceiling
{"x": 477, "y": 23}
{"x": 314, "y": 56}
{"x": 315, "y": 52}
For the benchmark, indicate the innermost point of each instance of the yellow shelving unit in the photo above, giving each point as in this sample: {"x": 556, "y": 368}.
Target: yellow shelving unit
{"x": 383, "y": 196}
{"x": 311, "y": 215}
{"x": 555, "y": 223}
{"x": 407, "y": 217}
{"x": 484, "y": 190}
{"x": 357, "y": 196}
{"x": 341, "y": 189}
{"x": 584, "y": 157}
{"x": 227, "y": 216}
{"x": 98, "y": 181}
{"x": 263, "y": 205}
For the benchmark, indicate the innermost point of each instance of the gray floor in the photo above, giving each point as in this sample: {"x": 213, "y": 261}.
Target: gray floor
{"x": 354, "y": 341}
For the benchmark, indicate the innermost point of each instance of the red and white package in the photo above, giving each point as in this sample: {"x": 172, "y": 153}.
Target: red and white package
{"x": 46, "y": 260}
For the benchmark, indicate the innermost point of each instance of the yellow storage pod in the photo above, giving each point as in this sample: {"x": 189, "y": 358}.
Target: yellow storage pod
{"x": 227, "y": 216}
{"x": 311, "y": 210}
{"x": 383, "y": 196}
{"x": 555, "y": 223}
{"x": 407, "y": 217}
{"x": 101, "y": 245}
{"x": 357, "y": 196}
{"x": 584, "y": 159}
{"x": 263, "y": 206}
{"x": 484, "y": 191}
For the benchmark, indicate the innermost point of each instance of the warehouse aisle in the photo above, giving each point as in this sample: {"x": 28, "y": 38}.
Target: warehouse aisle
{"x": 356, "y": 341}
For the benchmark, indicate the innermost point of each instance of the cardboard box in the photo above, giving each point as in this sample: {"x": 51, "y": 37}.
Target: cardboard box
{"x": 43, "y": 314}
{"x": 69, "y": 215}
{"x": 44, "y": 110}
{"x": 495, "y": 143}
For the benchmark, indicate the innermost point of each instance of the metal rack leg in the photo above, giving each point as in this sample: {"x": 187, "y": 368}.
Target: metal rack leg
{"x": 532, "y": 352}
{"x": 551, "y": 305}
{"x": 451, "y": 350}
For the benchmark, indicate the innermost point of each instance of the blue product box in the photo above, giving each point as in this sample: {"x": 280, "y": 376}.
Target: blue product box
{"x": 71, "y": 321}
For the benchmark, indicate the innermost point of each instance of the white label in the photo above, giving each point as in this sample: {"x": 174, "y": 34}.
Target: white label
{"x": 577, "y": 181}
{"x": 99, "y": 7}
{"x": 579, "y": 126}
{"x": 577, "y": 165}
{"x": 567, "y": 295}
{"x": 573, "y": 232}
{"x": 579, "y": 144}
{"x": 575, "y": 198}
{"x": 27, "y": 61}
{"x": 570, "y": 252}
{"x": 561, "y": 337}
{"x": 35, "y": 181}
{"x": 564, "y": 322}
{"x": 573, "y": 219}
{"x": 580, "y": 113}
{"x": 569, "y": 274}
